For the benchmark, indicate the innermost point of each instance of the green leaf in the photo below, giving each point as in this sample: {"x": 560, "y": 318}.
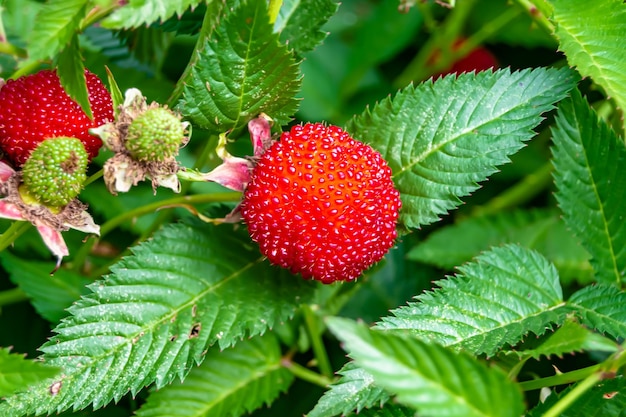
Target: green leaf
{"x": 299, "y": 23}
{"x": 152, "y": 319}
{"x": 587, "y": 156}
{"x": 601, "y": 307}
{"x": 241, "y": 72}
{"x": 442, "y": 138}
{"x": 116, "y": 94}
{"x": 144, "y": 12}
{"x": 493, "y": 301}
{"x": 355, "y": 390}
{"x": 55, "y": 27}
{"x": 541, "y": 230}
{"x": 388, "y": 410}
{"x": 604, "y": 400}
{"x": 428, "y": 377}
{"x": 569, "y": 338}
{"x": 591, "y": 35}
{"x": 50, "y": 295}
{"x": 18, "y": 373}
{"x": 228, "y": 383}
{"x": 71, "y": 73}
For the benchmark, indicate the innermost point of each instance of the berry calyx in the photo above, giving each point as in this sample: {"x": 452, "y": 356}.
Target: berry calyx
{"x": 36, "y": 107}
{"x": 55, "y": 172}
{"x": 322, "y": 204}
{"x": 155, "y": 135}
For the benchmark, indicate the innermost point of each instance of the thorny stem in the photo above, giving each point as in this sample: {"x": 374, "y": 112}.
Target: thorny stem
{"x": 560, "y": 379}
{"x": 83, "y": 252}
{"x": 315, "y": 334}
{"x": 538, "y": 11}
{"x": 567, "y": 400}
{"x": 305, "y": 373}
{"x": 14, "y": 231}
{"x": 12, "y": 296}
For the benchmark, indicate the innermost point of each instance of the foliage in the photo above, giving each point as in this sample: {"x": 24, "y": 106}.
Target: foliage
{"x": 508, "y": 275}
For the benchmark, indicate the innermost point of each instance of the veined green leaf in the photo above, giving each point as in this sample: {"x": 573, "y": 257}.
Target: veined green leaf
{"x": 605, "y": 399}
{"x": 18, "y": 373}
{"x": 570, "y": 338}
{"x": 56, "y": 25}
{"x": 428, "y": 377}
{"x": 442, "y": 138}
{"x": 241, "y": 72}
{"x": 588, "y": 156}
{"x": 602, "y": 307}
{"x": 137, "y": 13}
{"x": 355, "y": 390}
{"x": 152, "y": 319}
{"x": 299, "y": 23}
{"x": 591, "y": 35}
{"x": 541, "y": 230}
{"x": 50, "y": 295}
{"x": 228, "y": 383}
{"x": 496, "y": 300}
{"x": 71, "y": 73}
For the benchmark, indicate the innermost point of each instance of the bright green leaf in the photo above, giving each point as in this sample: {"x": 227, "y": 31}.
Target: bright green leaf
{"x": 602, "y": 307}
{"x": 55, "y": 27}
{"x": 355, "y": 390}
{"x": 144, "y": 12}
{"x": 18, "y": 373}
{"x": 442, "y": 138}
{"x": 428, "y": 377}
{"x": 496, "y": 300}
{"x": 299, "y": 23}
{"x": 592, "y": 35}
{"x": 151, "y": 320}
{"x": 50, "y": 295}
{"x": 228, "y": 383}
{"x": 541, "y": 230}
{"x": 588, "y": 157}
{"x": 241, "y": 72}
{"x": 71, "y": 73}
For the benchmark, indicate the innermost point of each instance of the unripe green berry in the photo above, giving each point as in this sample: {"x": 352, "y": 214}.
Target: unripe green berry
{"x": 55, "y": 172}
{"x": 155, "y": 135}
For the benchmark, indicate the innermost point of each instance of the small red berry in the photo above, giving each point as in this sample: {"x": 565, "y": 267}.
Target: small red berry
{"x": 478, "y": 59}
{"x": 322, "y": 204}
{"x": 36, "y": 107}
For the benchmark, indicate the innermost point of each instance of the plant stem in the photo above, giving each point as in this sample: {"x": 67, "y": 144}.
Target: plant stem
{"x": 580, "y": 388}
{"x": 94, "y": 177}
{"x": 315, "y": 334}
{"x": 14, "y": 231}
{"x": 538, "y": 10}
{"x": 560, "y": 379}
{"x": 12, "y": 296}
{"x": 306, "y": 374}
{"x": 520, "y": 193}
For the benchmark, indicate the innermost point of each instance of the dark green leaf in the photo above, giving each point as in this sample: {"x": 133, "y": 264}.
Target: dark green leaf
{"x": 496, "y": 300}
{"x": 55, "y": 27}
{"x": 228, "y": 383}
{"x": 241, "y": 72}
{"x": 588, "y": 156}
{"x": 50, "y": 295}
{"x": 442, "y": 138}
{"x": 388, "y": 410}
{"x": 602, "y": 307}
{"x": 541, "y": 230}
{"x": 72, "y": 75}
{"x": 592, "y": 34}
{"x": 151, "y": 320}
{"x": 428, "y": 377}
{"x": 18, "y": 373}
{"x": 299, "y": 23}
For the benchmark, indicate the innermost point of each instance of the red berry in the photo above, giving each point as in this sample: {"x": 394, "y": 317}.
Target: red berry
{"x": 478, "y": 59}
{"x": 36, "y": 107}
{"x": 322, "y": 204}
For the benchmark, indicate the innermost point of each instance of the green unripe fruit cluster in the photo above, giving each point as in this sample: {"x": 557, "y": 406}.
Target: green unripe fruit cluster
{"x": 155, "y": 135}
{"x": 55, "y": 172}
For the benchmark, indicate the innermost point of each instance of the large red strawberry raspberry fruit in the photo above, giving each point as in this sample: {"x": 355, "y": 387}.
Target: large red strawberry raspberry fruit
{"x": 36, "y": 107}
{"x": 322, "y": 204}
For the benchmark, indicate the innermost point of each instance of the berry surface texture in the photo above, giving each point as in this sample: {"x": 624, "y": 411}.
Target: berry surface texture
{"x": 36, "y": 107}
{"x": 322, "y": 204}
